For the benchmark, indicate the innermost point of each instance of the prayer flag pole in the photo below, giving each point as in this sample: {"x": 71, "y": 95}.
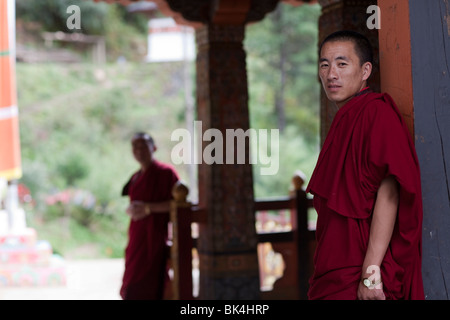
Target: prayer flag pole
{"x": 10, "y": 158}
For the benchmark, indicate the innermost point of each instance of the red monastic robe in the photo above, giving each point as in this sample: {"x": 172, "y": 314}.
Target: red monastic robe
{"x": 368, "y": 141}
{"x": 146, "y": 254}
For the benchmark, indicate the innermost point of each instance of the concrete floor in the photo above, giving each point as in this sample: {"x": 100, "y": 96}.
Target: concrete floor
{"x": 86, "y": 280}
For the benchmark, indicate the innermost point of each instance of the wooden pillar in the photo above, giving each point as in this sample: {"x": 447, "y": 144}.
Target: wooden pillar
{"x": 10, "y": 158}
{"x": 395, "y": 56}
{"x": 430, "y": 57}
{"x": 228, "y": 240}
{"x": 345, "y": 15}
{"x": 414, "y": 55}
{"x": 414, "y": 42}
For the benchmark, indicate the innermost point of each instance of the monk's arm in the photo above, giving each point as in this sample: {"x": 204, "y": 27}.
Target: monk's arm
{"x": 138, "y": 209}
{"x": 156, "y": 207}
{"x": 382, "y": 226}
{"x": 383, "y": 220}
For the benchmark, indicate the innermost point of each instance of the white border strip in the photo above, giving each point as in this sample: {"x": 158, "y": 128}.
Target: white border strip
{"x": 8, "y": 112}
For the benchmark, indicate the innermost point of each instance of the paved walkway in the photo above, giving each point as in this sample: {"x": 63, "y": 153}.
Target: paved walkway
{"x": 86, "y": 280}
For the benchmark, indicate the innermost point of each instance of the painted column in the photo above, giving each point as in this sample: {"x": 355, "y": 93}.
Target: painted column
{"x": 430, "y": 69}
{"x": 10, "y": 163}
{"x": 9, "y": 125}
{"x": 395, "y": 56}
{"x": 228, "y": 240}
{"x": 414, "y": 55}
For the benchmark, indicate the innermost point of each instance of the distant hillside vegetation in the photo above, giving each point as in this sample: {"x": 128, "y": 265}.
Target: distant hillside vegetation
{"x": 76, "y": 119}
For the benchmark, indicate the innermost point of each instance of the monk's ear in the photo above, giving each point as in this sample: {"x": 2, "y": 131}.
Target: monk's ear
{"x": 367, "y": 70}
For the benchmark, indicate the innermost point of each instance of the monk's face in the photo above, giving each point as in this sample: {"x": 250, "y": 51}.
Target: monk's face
{"x": 142, "y": 151}
{"x": 341, "y": 72}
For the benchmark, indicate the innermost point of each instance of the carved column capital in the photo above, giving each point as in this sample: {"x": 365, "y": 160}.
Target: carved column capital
{"x": 260, "y": 8}
{"x": 219, "y": 33}
{"x": 222, "y": 12}
{"x": 191, "y": 10}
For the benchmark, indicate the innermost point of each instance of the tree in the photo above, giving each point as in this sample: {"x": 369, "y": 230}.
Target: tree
{"x": 72, "y": 168}
{"x": 282, "y": 51}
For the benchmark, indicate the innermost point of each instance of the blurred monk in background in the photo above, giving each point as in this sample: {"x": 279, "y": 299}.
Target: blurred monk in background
{"x": 150, "y": 192}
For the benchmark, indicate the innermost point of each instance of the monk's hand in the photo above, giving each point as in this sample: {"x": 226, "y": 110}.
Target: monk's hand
{"x": 138, "y": 210}
{"x": 375, "y": 290}
{"x": 365, "y": 293}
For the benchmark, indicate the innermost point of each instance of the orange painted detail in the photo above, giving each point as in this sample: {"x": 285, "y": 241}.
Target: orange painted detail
{"x": 4, "y": 42}
{"x": 9, "y": 149}
{"x": 10, "y": 162}
{"x": 395, "y": 56}
{"x": 7, "y": 89}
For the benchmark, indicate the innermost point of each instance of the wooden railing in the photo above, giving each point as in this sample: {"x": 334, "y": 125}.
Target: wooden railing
{"x": 182, "y": 215}
{"x": 296, "y": 245}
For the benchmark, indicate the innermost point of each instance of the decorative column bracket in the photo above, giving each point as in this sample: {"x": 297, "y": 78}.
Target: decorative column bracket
{"x": 222, "y": 12}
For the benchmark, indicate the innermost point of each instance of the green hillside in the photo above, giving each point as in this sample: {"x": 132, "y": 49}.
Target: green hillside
{"x": 76, "y": 121}
{"x": 75, "y": 125}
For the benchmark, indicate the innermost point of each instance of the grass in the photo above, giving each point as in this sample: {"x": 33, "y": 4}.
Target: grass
{"x": 76, "y": 122}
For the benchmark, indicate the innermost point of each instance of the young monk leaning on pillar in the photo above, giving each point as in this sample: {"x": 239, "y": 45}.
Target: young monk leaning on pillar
{"x": 366, "y": 186}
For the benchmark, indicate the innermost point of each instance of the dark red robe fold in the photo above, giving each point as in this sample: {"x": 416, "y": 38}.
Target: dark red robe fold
{"x": 146, "y": 254}
{"x": 368, "y": 141}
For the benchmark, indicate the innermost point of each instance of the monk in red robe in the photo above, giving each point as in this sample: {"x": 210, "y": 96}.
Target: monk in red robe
{"x": 146, "y": 255}
{"x": 366, "y": 186}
